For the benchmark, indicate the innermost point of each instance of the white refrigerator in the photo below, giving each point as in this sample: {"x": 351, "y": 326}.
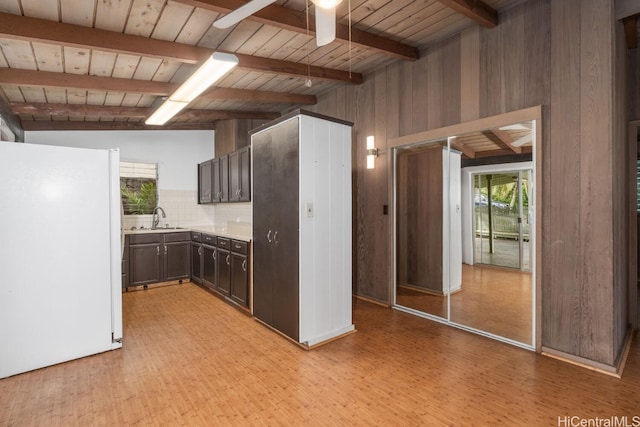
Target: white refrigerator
{"x": 60, "y": 255}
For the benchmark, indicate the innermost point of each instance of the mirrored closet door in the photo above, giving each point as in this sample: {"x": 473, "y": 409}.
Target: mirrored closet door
{"x": 464, "y": 232}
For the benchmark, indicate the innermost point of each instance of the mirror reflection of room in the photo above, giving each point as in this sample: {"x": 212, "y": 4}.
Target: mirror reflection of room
{"x": 464, "y": 232}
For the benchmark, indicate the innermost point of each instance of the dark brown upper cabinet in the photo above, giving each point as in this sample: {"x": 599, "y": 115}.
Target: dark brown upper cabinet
{"x": 239, "y": 175}
{"x": 229, "y": 178}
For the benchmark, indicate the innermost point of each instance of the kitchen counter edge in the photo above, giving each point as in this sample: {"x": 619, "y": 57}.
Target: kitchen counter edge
{"x": 203, "y": 229}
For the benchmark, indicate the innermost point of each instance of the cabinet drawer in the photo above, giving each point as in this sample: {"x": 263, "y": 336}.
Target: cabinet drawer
{"x": 196, "y": 237}
{"x": 137, "y": 239}
{"x": 239, "y": 247}
{"x": 208, "y": 239}
{"x": 182, "y": 236}
{"x": 224, "y": 242}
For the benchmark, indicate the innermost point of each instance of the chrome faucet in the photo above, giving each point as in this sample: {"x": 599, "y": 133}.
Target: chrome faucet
{"x": 156, "y": 217}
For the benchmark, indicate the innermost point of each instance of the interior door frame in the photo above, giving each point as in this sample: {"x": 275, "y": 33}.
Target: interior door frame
{"x": 531, "y": 113}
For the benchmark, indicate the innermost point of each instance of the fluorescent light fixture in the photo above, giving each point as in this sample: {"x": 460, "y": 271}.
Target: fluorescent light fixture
{"x": 372, "y": 152}
{"x": 207, "y": 74}
{"x": 325, "y": 21}
{"x": 167, "y": 110}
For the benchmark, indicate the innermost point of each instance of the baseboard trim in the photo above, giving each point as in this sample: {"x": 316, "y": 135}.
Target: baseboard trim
{"x": 373, "y": 301}
{"x": 613, "y": 371}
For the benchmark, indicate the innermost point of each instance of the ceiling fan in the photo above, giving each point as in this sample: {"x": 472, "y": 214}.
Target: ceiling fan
{"x": 325, "y": 17}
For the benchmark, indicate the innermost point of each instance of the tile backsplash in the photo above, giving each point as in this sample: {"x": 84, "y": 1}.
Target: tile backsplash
{"x": 183, "y": 210}
{"x": 181, "y": 207}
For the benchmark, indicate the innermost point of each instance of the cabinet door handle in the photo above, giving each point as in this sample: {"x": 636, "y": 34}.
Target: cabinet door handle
{"x": 214, "y": 255}
{"x": 165, "y": 249}
{"x": 228, "y": 261}
{"x": 244, "y": 265}
{"x": 158, "y": 250}
{"x": 269, "y": 236}
{"x": 200, "y": 250}
{"x": 275, "y": 237}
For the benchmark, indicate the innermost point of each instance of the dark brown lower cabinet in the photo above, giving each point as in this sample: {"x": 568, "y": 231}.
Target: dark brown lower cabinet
{"x": 158, "y": 257}
{"x": 209, "y": 266}
{"x": 240, "y": 279}
{"x": 224, "y": 267}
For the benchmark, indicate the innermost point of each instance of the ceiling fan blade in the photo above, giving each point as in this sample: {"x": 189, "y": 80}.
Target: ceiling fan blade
{"x": 242, "y": 12}
{"x": 325, "y": 25}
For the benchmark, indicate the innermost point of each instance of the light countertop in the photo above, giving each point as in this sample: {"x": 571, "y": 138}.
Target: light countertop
{"x": 217, "y": 231}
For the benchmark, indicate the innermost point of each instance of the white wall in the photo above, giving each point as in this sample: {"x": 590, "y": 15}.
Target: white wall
{"x": 176, "y": 152}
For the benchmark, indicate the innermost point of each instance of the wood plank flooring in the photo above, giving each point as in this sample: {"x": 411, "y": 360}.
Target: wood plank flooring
{"x": 190, "y": 359}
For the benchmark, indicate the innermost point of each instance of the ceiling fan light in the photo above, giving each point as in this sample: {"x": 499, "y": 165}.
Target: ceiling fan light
{"x": 325, "y": 26}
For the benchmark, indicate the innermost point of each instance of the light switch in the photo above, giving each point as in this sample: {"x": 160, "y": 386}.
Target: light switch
{"x": 308, "y": 209}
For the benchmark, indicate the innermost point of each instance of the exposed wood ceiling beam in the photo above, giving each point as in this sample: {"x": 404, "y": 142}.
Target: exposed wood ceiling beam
{"x": 456, "y": 144}
{"x": 292, "y": 20}
{"x": 493, "y": 153}
{"x": 222, "y": 93}
{"x": 11, "y": 120}
{"x": 296, "y": 69}
{"x": 82, "y": 110}
{"x": 41, "y": 125}
{"x": 475, "y": 10}
{"x": 44, "y": 31}
{"x": 631, "y": 31}
{"x": 80, "y": 81}
{"x": 501, "y": 139}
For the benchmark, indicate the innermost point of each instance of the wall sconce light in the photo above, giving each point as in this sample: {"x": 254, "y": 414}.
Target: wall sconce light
{"x": 209, "y": 72}
{"x": 372, "y": 152}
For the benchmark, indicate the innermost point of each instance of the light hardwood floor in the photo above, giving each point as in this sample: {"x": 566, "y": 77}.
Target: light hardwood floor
{"x": 190, "y": 359}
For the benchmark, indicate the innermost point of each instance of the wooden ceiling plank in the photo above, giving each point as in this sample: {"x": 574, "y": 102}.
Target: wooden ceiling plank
{"x": 58, "y": 96}
{"x": 476, "y": 10}
{"x": 125, "y": 66}
{"x": 48, "y": 57}
{"x": 631, "y": 31}
{"x": 76, "y": 60}
{"x": 196, "y": 27}
{"x": 292, "y": 20}
{"x": 45, "y": 9}
{"x": 78, "y": 12}
{"x": 20, "y": 27}
{"x": 143, "y": 16}
{"x": 112, "y": 16}
{"x": 171, "y": 21}
{"x": 18, "y": 53}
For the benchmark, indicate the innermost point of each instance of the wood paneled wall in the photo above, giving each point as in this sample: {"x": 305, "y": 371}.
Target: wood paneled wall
{"x": 558, "y": 54}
